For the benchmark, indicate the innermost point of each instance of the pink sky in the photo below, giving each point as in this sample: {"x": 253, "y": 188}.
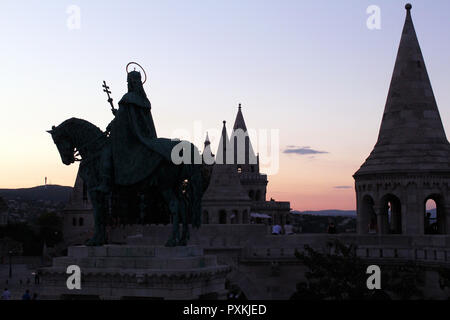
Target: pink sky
{"x": 310, "y": 69}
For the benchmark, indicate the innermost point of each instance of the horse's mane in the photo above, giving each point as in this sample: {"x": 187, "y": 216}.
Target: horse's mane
{"x": 81, "y": 125}
{"x": 79, "y": 131}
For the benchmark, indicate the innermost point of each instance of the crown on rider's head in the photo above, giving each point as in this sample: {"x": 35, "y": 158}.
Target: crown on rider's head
{"x": 134, "y": 76}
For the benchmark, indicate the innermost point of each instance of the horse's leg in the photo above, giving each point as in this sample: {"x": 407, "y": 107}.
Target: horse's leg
{"x": 99, "y": 203}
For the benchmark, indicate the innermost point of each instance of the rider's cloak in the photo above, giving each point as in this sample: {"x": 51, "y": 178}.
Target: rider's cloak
{"x": 135, "y": 150}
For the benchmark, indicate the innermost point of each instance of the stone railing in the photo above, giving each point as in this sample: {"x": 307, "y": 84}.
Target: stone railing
{"x": 430, "y": 254}
{"x": 252, "y": 242}
{"x": 253, "y": 176}
{"x": 271, "y": 205}
{"x": 428, "y": 249}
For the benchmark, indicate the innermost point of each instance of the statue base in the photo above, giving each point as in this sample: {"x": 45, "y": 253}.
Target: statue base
{"x": 113, "y": 272}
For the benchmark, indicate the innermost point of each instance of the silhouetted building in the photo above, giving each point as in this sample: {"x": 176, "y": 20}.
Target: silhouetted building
{"x": 410, "y": 162}
{"x": 4, "y": 210}
{"x": 237, "y": 190}
{"x": 78, "y": 215}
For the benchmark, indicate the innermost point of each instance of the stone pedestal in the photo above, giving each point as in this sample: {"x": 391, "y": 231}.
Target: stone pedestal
{"x": 136, "y": 272}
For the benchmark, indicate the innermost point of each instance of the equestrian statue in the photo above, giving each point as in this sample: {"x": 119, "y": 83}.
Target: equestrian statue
{"x": 130, "y": 156}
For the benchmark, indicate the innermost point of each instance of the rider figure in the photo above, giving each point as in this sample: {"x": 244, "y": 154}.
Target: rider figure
{"x": 130, "y": 132}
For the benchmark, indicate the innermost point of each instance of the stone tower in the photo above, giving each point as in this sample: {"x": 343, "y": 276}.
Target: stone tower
{"x": 410, "y": 162}
{"x": 78, "y": 215}
{"x": 225, "y": 201}
{"x": 246, "y": 161}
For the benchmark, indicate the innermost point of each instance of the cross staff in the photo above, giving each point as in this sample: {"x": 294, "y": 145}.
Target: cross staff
{"x": 110, "y": 100}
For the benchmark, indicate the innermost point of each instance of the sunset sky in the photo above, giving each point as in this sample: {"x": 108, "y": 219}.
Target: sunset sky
{"x": 310, "y": 70}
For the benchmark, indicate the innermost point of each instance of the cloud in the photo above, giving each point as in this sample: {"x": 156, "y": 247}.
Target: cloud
{"x": 343, "y": 187}
{"x": 302, "y": 150}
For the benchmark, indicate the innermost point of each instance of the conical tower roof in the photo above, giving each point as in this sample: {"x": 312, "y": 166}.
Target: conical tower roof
{"x": 239, "y": 123}
{"x": 411, "y": 136}
{"x": 248, "y": 154}
{"x": 225, "y": 184}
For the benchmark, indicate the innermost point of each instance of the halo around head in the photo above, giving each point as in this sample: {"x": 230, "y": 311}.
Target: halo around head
{"x": 145, "y": 74}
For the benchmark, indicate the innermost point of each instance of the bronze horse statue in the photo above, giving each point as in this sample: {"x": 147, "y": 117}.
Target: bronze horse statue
{"x": 177, "y": 186}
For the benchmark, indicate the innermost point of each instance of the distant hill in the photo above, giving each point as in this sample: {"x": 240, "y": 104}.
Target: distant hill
{"x": 52, "y": 192}
{"x": 342, "y": 213}
{"x": 330, "y": 213}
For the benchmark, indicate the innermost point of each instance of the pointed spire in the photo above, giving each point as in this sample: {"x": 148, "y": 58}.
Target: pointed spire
{"x": 242, "y": 146}
{"x": 224, "y": 145}
{"x": 411, "y": 137}
{"x": 207, "y": 142}
{"x": 207, "y": 155}
{"x": 239, "y": 123}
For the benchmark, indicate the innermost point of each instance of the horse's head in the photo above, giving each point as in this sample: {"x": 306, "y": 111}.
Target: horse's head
{"x": 64, "y": 143}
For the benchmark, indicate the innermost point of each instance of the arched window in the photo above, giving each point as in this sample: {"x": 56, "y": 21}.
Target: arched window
{"x": 391, "y": 211}
{"x": 368, "y": 217}
{"x": 434, "y": 215}
{"x": 222, "y": 217}
{"x": 80, "y": 222}
{"x": 74, "y": 221}
{"x": 234, "y": 217}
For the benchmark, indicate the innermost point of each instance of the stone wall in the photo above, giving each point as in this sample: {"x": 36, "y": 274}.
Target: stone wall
{"x": 264, "y": 266}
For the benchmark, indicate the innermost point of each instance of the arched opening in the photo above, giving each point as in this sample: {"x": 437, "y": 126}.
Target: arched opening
{"x": 74, "y": 221}
{"x": 368, "y": 216}
{"x": 80, "y": 222}
{"x": 258, "y": 195}
{"x": 205, "y": 217}
{"x": 391, "y": 211}
{"x": 434, "y": 215}
{"x": 245, "y": 216}
{"x": 222, "y": 217}
{"x": 234, "y": 292}
{"x": 251, "y": 194}
{"x": 234, "y": 217}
